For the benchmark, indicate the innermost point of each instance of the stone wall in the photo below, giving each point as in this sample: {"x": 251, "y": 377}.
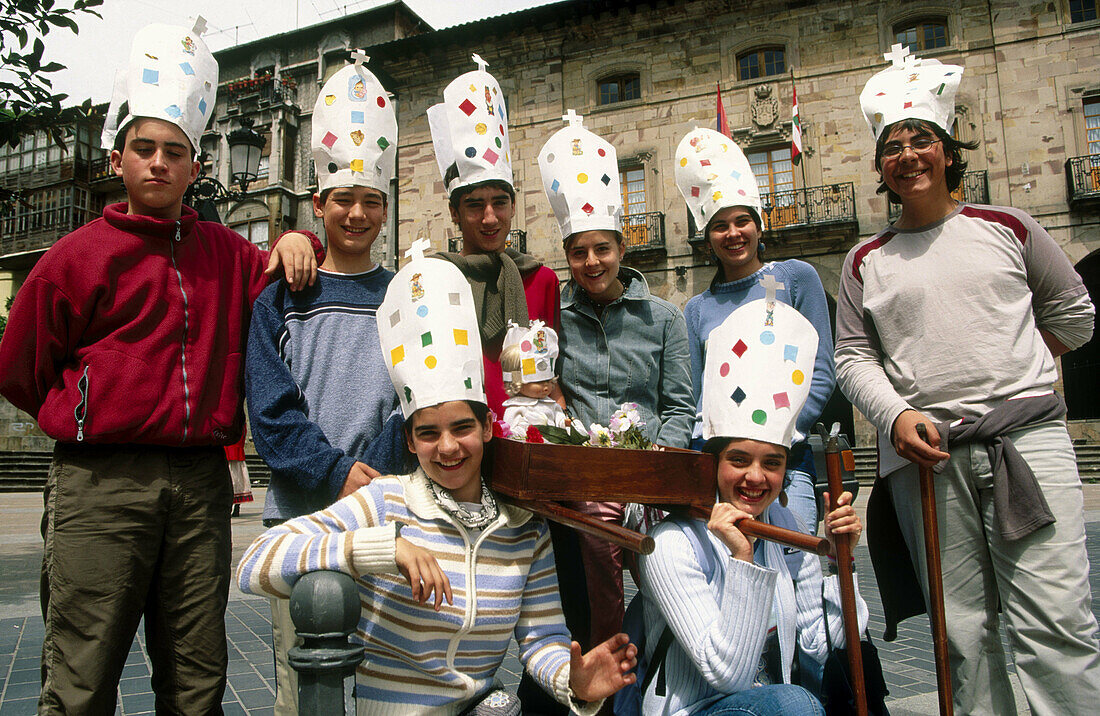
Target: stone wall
{"x": 19, "y": 432}
{"x": 1027, "y": 72}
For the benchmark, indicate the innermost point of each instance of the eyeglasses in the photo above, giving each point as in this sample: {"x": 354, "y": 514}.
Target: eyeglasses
{"x": 920, "y": 145}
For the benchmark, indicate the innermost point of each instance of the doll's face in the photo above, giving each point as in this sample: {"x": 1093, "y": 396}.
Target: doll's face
{"x": 537, "y": 390}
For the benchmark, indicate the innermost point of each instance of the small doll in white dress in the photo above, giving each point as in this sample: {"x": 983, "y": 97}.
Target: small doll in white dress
{"x": 527, "y": 361}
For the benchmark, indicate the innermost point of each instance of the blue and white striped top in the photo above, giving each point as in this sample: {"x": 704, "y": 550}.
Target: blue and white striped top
{"x": 419, "y": 660}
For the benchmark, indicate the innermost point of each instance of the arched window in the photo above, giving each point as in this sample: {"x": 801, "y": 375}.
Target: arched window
{"x": 925, "y": 33}
{"x": 761, "y": 62}
{"x": 619, "y": 88}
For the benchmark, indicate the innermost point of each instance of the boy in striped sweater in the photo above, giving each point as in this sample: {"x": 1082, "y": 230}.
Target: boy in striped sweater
{"x": 446, "y": 574}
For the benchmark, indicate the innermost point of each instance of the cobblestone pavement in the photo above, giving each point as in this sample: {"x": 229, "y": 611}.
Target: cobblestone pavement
{"x": 908, "y": 662}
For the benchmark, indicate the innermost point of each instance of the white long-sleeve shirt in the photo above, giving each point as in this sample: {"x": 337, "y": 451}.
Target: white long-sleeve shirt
{"x": 945, "y": 319}
{"x": 720, "y": 626}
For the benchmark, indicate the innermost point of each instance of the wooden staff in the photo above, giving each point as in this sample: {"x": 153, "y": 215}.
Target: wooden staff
{"x": 771, "y": 533}
{"x": 935, "y": 581}
{"x": 615, "y": 534}
{"x": 643, "y": 544}
{"x": 847, "y": 584}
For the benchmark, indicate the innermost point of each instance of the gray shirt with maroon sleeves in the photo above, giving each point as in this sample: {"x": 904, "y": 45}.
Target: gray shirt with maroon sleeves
{"x": 945, "y": 319}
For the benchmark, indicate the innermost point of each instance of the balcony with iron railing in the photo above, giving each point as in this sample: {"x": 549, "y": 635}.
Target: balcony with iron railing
{"x": 812, "y": 206}
{"x": 973, "y": 189}
{"x": 810, "y": 211}
{"x": 102, "y": 177}
{"x": 517, "y": 239}
{"x": 38, "y": 230}
{"x": 1083, "y": 181}
{"x": 256, "y": 92}
{"x": 644, "y": 234}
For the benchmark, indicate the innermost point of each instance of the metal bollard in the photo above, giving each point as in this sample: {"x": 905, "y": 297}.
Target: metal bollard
{"x": 325, "y": 609}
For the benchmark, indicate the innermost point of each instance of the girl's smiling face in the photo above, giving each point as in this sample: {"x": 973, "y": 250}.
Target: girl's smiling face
{"x": 449, "y": 441}
{"x": 594, "y": 258}
{"x": 735, "y": 239}
{"x": 750, "y": 474}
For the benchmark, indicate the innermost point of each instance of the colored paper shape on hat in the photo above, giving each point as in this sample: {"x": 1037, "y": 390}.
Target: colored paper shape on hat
{"x": 439, "y": 362}
{"x": 717, "y": 176}
{"x": 759, "y": 400}
{"x": 346, "y": 108}
{"x": 568, "y": 162}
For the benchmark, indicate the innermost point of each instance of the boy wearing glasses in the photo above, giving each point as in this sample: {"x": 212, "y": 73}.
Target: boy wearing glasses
{"x": 952, "y": 317}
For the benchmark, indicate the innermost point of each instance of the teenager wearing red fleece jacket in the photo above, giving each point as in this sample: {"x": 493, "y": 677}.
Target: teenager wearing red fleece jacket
{"x": 126, "y": 343}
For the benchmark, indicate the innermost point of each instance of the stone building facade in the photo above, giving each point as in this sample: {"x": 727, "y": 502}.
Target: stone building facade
{"x": 644, "y": 73}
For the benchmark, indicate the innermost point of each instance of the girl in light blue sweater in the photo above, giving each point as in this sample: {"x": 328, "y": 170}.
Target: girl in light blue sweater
{"x": 733, "y": 231}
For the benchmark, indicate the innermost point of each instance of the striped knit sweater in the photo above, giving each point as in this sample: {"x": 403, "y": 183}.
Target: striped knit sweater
{"x": 720, "y": 627}
{"x": 420, "y": 661}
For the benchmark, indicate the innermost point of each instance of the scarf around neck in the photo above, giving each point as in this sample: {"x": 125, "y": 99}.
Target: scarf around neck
{"x": 496, "y": 281}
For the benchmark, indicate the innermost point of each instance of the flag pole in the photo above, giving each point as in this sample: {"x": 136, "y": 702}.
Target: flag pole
{"x": 796, "y": 127}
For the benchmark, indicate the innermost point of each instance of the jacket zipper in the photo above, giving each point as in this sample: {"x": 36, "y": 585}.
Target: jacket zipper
{"x": 471, "y": 596}
{"x": 81, "y": 411}
{"x": 183, "y": 344}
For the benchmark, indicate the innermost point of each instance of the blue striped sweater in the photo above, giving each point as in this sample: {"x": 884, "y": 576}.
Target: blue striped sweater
{"x": 420, "y": 661}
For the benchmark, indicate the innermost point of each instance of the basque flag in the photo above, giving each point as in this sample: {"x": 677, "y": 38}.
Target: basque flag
{"x": 796, "y": 129}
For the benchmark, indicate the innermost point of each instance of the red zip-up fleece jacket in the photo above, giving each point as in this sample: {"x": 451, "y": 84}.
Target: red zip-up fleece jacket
{"x": 131, "y": 329}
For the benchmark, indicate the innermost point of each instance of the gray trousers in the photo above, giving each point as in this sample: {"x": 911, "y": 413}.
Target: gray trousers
{"x": 1041, "y": 581}
{"x": 283, "y": 637}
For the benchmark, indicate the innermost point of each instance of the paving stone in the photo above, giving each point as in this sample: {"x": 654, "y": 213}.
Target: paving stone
{"x": 19, "y": 707}
{"x": 256, "y": 698}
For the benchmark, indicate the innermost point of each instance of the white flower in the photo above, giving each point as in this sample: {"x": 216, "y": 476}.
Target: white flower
{"x": 625, "y": 418}
{"x": 599, "y": 436}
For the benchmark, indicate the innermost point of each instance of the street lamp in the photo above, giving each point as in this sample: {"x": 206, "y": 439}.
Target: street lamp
{"x": 245, "y": 145}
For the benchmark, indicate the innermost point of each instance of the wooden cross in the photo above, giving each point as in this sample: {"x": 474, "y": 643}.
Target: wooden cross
{"x": 200, "y": 26}
{"x": 573, "y": 118}
{"x": 770, "y": 287}
{"x": 417, "y": 249}
{"x": 481, "y": 64}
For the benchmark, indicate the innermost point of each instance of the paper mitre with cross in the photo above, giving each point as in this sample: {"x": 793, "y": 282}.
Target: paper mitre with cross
{"x": 759, "y": 365}
{"x": 470, "y": 131}
{"x": 354, "y": 138}
{"x": 910, "y": 88}
{"x": 712, "y": 173}
{"x": 170, "y": 75}
{"x": 580, "y": 173}
{"x": 538, "y": 349}
{"x": 428, "y": 330}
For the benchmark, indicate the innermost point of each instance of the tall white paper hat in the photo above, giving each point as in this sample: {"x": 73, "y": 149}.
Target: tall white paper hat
{"x": 171, "y": 75}
{"x": 910, "y": 88}
{"x": 712, "y": 173}
{"x": 759, "y": 365}
{"x": 428, "y": 330}
{"x": 470, "y": 131}
{"x": 580, "y": 173}
{"x": 354, "y": 138}
{"x": 538, "y": 349}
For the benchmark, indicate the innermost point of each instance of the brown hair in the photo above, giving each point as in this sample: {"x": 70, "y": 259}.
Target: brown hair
{"x": 951, "y": 148}
{"x": 457, "y": 194}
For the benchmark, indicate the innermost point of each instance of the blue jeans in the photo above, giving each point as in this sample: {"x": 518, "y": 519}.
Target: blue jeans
{"x": 801, "y": 498}
{"x": 774, "y": 700}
